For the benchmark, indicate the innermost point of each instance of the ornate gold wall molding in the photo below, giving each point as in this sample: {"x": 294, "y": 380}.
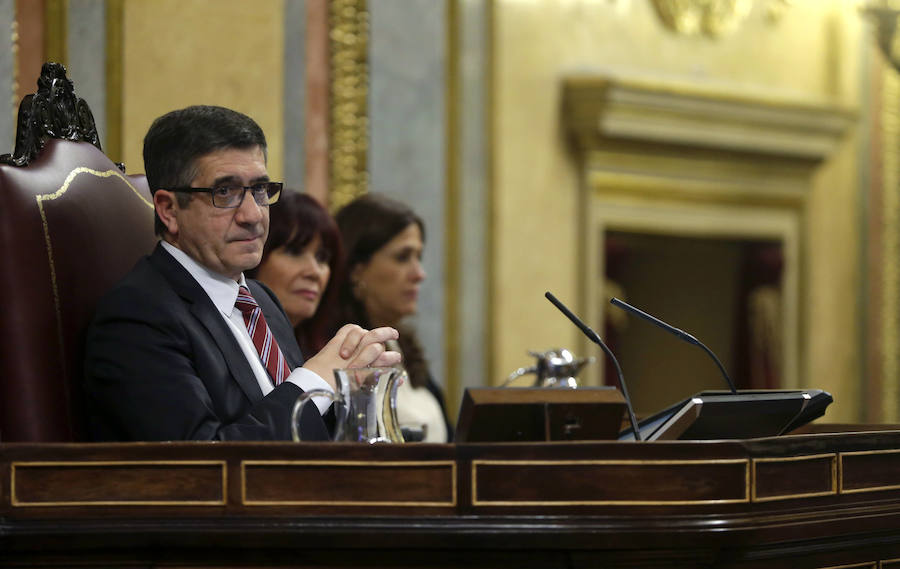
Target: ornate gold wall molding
{"x": 349, "y": 41}
{"x": 115, "y": 14}
{"x": 452, "y": 266}
{"x": 890, "y": 305}
{"x": 712, "y": 18}
{"x": 885, "y": 16}
{"x": 672, "y": 113}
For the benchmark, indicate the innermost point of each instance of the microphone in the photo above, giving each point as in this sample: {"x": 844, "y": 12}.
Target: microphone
{"x": 673, "y": 330}
{"x": 596, "y": 339}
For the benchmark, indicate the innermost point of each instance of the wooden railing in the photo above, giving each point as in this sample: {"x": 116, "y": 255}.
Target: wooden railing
{"x": 811, "y": 500}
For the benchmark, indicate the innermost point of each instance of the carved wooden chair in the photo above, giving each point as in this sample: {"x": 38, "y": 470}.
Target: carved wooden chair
{"x": 71, "y": 225}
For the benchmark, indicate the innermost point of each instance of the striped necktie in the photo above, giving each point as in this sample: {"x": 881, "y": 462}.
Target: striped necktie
{"x": 263, "y": 340}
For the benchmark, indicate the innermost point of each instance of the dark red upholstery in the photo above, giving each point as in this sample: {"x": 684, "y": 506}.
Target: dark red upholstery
{"x": 71, "y": 225}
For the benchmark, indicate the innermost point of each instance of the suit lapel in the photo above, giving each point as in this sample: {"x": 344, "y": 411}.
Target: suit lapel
{"x": 206, "y": 313}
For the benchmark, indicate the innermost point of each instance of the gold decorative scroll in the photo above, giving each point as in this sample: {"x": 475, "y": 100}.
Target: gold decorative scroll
{"x": 885, "y": 14}
{"x": 713, "y": 18}
{"x": 349, "y": 40}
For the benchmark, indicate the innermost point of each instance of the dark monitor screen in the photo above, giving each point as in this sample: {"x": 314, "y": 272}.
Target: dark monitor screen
{"x": 742, "y": 415}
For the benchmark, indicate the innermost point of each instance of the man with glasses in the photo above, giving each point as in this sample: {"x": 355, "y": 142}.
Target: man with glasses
{"x": 186, "y": 348}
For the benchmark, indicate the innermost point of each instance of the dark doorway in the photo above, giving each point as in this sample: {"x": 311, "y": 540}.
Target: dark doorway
{"x": 725, "y": 292}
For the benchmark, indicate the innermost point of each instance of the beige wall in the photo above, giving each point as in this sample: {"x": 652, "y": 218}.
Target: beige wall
{"x": 811, "y": 54}
{"x": 185, "y": 52}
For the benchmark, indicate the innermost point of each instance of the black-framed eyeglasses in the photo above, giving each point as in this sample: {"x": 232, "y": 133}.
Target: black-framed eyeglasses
{"x": 228, "y": 196}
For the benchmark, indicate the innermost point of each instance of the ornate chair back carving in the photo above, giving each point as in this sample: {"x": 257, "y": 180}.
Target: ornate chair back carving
{"x": 71, "y": 225}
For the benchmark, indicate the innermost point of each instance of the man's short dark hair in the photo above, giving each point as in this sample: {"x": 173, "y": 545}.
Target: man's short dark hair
{"x": 177, "y": 139}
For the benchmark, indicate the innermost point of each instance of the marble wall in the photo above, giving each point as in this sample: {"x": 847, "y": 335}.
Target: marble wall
{"x": 470, "y": 235}
{"x": 407, "y": 78}
{"x": 86, "y": 65}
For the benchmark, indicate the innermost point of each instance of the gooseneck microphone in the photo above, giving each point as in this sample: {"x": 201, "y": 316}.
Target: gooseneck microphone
{"x": 592, "y": 336}
{"x": 673, "y": 330}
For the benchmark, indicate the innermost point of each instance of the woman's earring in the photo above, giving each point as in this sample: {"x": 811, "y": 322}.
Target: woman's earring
{"x": 358, "y": 287}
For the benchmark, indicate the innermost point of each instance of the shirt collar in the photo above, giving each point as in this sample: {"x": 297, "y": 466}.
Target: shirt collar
{"x": 221, "y": 290}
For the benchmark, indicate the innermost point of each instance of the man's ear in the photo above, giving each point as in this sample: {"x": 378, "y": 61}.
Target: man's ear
{"x": 166, "y": 209}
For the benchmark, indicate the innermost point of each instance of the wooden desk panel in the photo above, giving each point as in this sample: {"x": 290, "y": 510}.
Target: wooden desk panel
{"x": 813, "y": 500}
{"x": 340, "y": 483}
{"x": 118, "y": 483}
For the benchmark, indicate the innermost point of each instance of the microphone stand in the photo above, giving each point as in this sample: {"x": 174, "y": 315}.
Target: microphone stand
{"x": 592, "y": 336}
{"x": 677, "y": 332}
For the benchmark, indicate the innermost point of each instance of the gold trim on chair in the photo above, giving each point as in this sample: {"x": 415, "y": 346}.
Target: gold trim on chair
{"x": 40, "y": 199}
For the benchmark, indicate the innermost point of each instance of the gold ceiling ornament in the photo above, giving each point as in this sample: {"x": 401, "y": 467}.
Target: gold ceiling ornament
{"x": 349, "y": 122}
{"x": 885, "y": 15}
{"x": 712, "y": 18}
{"x": 776, "y": 9}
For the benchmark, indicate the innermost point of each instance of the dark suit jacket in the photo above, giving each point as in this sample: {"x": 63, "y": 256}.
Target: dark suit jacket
{"x": 162, "y": 364}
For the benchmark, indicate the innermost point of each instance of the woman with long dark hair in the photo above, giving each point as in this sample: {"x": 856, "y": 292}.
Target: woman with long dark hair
{"x": 384, "y": 240}
{"x": 302, "y": 256}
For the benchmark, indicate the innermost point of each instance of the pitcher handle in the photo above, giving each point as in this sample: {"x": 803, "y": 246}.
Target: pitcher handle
{"x": 303, "y": 400}
{"x": 519, "y": 373}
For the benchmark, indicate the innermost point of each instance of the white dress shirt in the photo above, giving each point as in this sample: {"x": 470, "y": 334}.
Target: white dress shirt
{"x": 223, "y": 292}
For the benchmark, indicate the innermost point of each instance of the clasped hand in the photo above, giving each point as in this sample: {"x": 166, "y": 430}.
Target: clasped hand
{"x": 354, "y": 347}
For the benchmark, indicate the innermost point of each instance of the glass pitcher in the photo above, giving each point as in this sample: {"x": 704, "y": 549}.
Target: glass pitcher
{"x": 365, "y": 405}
